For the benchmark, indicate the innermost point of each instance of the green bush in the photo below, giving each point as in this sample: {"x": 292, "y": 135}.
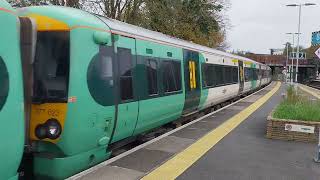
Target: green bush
{"x": 297, "y": 107}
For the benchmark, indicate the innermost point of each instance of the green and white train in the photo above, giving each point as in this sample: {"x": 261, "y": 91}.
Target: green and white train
{"x": 73, "y": 84}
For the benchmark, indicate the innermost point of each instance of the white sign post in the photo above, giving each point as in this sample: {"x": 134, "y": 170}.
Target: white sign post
{"x": 318, "y": 53}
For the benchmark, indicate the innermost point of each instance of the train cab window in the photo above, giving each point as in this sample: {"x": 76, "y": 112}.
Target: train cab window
{"x": 51, "y": 67}
{"x": 4, "y": 83}
{"x": 125, "y": 71}
{"x": 152, "y": 68}
{"x": 171, "y": 76}
{"x": 100, "y": 77}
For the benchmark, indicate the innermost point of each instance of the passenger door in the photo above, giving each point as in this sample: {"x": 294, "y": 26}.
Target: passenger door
{"x": 241, "y": 77}
{"x": 127, "y": 111}
{"x": 192, "y": 81}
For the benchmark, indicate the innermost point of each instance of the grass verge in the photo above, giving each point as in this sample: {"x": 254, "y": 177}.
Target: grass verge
{"x": 297, "y": 107}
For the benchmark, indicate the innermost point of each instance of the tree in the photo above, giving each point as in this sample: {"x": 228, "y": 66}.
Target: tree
{"x": 193, "y": 20}
{"x": 115, "y": 9}
{"x": 198, "y": 21}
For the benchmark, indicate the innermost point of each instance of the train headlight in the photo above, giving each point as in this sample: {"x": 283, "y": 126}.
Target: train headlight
{"x": 51, "y": 129}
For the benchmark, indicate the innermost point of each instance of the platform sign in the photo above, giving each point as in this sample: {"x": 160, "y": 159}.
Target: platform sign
{"x": 299, "y": 128}
{"x": 315, "y": 38}
{"x": 302, "y": 55}
{"x": 318, "y": 53}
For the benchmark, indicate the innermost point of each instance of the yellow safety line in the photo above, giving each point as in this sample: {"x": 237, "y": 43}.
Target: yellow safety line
{"x": 306, "y": 89}
{"x": 182, "y": 161}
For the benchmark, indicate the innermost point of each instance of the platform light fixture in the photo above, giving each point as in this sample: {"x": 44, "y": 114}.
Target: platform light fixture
{"x": 291, "y": 68}
{"x": 299, "y": 28}
{"x": 287, "y": 48}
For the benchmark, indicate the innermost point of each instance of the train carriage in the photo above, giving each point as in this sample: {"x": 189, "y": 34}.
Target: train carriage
{"x": 11, "y": 94}
{"x": 98, "y": 81}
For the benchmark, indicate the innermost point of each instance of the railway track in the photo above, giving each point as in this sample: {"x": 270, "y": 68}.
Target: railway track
{"x": 314, "y": 84}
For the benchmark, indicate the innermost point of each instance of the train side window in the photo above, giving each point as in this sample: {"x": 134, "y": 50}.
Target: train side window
{"x": 228, "y": 74}
{"x": 246, "y": 74}
{"x": 177, "y": 74}
{"x": 235, "y": 74}
{"x": 152, "y": 69}
{"x": 212, "y": 76}
{"x": 255, "y": 74}
{"x": 171, "y": 76}
{"x": 125, "y": 72}
{"x": 259, "y": 73}
{"x": 205, "y": 75}
{"x": 219, "y": 75}
{"x": 100, "y": 77}
{"x": 208, "y": 75}
{"x": 4, "y": 83}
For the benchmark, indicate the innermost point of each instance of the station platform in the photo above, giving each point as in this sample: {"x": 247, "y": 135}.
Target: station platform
{"x": 227, "y": 144}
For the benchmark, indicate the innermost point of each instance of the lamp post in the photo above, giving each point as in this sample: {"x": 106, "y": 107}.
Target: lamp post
{"x": 291, "y": 68}
{"x": 299, "y": 28}
{"x": 287, "y": 47}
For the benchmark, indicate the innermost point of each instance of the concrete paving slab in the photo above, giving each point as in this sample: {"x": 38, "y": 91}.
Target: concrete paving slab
{"x": 191, "y": 133}
{"x": 208, "y": 125}
{"x": 262, "y": 92}
{"x": 113, "y": 173}
{"x": 225, "y": 115}
{"x": 252, "y": 98}
{"x": 171, "y": 144}
{"x": 246, "y": 154}
{"x": 242, "y": 103}
{"x": 239, "y": 108}
{"x": 143, "y": 160}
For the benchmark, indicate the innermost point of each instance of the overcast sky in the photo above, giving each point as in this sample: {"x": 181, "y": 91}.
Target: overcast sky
{"x": 258, "y": 25}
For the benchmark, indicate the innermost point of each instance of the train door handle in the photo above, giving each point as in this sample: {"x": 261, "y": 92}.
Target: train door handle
{"x": 107, "y": 122}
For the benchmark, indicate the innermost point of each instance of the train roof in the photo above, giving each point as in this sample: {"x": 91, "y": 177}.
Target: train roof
{"x": 139, "y": 32}
{"x": 71, "y": 16}
{"x": 76, "y": 17}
